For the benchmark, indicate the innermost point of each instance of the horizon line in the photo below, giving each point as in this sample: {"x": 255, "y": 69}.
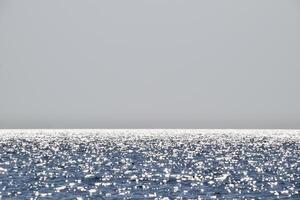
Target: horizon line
{"x": 149, "y": 129}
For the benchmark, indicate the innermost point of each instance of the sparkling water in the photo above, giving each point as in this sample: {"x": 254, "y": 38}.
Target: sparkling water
{"x": 150, "y": 164}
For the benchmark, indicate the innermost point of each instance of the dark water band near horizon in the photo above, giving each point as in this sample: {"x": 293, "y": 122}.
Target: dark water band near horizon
{"x": 149, "y": 164}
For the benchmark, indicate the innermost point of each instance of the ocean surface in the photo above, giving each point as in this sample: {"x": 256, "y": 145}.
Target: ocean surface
{"x": 150, "y": 164}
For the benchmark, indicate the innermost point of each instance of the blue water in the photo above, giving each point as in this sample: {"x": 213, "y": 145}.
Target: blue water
{"x": 149, "y": 164}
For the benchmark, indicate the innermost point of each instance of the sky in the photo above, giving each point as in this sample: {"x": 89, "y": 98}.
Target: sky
{"x": 149, "y": 64}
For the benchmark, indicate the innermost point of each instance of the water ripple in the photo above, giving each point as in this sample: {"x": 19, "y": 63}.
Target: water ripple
{"x": 153, "y": 164}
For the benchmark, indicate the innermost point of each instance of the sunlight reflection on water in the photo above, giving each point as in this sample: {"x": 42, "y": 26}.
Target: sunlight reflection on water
{"x": 154, "y": 164}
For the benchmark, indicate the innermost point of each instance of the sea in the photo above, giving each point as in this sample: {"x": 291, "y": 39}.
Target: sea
{"x": 149, "y": 164}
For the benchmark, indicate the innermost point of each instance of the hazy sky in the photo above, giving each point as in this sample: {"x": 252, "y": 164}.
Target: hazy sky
{"x": 149, "y": 64}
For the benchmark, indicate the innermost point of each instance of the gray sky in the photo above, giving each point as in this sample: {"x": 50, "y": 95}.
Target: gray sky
{"x": 149, "y": 64}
